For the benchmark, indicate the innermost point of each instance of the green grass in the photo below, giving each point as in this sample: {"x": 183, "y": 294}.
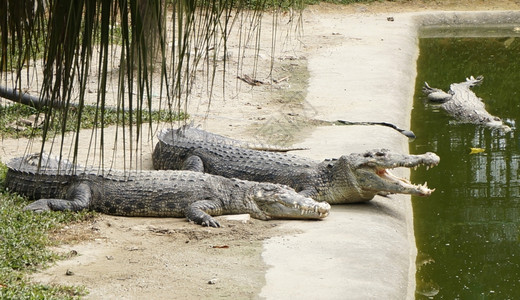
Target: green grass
{"x": 302, "y": 3}
{"x": 24, "y": 238}
{"x": 310, "y": 2}
{"x": 10, "y": 114}
{"x": 294, "y": 4}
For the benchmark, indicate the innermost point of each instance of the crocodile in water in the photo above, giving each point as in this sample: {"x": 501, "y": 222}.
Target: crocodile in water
{"x": 462, "y": 104}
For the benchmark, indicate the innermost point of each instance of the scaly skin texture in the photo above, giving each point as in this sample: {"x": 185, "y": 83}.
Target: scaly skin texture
{"x": 60, "y": 185}
{"x": 351, "y": 178}
{"x": 193, "y": 133}
{"x": 462, "y": 103}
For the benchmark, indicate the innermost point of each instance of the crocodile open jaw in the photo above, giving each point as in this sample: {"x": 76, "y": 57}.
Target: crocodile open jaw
{"x": 405, "y": 185}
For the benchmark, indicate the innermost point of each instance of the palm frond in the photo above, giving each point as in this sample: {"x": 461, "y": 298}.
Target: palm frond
{"x": 144, "y": 56}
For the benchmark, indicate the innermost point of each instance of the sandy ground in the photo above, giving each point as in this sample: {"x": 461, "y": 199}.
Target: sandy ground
{"x": 353, "y": 63}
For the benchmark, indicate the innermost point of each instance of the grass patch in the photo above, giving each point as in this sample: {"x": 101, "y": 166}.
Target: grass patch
{"x": 298, "y": 4}
{"x": 344, "y": 2}
{"x": 24, "y": 238}
{"x": 16, "y": 120}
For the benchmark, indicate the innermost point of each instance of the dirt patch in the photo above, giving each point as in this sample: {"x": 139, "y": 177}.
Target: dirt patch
{"x": 162, "y": 258}
{"x": 289, "y": 121}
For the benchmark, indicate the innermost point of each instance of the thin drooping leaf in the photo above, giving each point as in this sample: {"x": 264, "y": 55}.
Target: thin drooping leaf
{"x": 123, "y": 43}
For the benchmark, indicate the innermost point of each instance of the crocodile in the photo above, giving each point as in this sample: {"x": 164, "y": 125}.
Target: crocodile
{"x": 462, "y": 104}
{"x": 60, "y": 185}
{"x": 192, "y": 132}
{"x": 356, "y": 177}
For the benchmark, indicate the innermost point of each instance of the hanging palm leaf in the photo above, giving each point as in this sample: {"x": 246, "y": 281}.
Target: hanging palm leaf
{"x": 62, "y": 44}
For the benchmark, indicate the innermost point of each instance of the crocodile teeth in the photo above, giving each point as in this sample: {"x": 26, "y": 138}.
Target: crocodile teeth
{"x": 423, "y": 186}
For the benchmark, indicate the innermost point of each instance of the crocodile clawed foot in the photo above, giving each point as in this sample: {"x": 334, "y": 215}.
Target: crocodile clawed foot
{"x": 210, "y": 222}
{"x": 37, "y": 207}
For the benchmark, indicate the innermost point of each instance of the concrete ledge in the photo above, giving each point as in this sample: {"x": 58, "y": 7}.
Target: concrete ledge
{"x": 364, "y": 251}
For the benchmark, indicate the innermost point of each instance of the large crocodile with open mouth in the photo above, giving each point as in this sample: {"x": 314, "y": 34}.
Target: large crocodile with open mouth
{"x": 462, "y": 103}
{"x": 61, "y": 185}
{"x": 351, "y": 178}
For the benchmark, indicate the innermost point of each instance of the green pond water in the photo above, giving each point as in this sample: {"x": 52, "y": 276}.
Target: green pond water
{"x": 468, "y": 231}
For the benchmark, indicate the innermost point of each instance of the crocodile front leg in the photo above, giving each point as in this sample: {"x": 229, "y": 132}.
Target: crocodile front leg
{"x": 80, "y": 195}
{"x": 199, "y": 213}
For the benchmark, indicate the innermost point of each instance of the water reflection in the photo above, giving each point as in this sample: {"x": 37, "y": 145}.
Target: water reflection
{"x": 467, "y": 232}
{"x": 469, "y": 227}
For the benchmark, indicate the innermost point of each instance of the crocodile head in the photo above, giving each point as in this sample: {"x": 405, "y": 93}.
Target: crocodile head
{"x": 273, "y": 201}
{"x": 369, "y": 173}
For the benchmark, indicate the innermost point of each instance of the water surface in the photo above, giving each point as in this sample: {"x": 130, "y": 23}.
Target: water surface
{"x": 467, "y": 232}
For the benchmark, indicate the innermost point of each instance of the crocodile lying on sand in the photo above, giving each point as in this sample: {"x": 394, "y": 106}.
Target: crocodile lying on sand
{"x": 60, "y": 185}
{"x": 351, "y": 178}
{"x": 462, "y": 103}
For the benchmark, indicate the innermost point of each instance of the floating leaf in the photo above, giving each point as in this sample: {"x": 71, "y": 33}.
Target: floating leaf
{"x": 508, "y": 42}
{"x": 476, "y": 150}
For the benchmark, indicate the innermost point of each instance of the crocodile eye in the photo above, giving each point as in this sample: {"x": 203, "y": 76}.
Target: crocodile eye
{"x": 270, "y": 188}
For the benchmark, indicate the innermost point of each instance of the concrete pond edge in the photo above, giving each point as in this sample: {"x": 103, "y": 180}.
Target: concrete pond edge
{"x": 362, "y": 251}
